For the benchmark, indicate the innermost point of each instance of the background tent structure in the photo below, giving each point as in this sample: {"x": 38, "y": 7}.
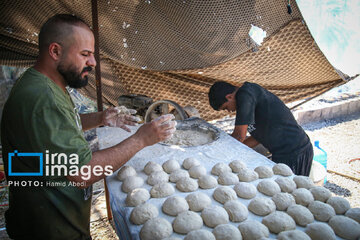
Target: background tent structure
{"x": 176, "y": 49}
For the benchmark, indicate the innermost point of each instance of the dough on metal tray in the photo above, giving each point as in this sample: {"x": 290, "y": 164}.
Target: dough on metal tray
{"x": 237, "y": 211}
{"x": 197, "y": 171}
{"x": 223, "y": 194}
{"x": 207, "y": 182}
{"x": 264, "y": 171}
{"x": 300, "y": 214}
{"x": 140, "y": 214}
{"x": 345, "y": 227}
{"x": 268, "y": 187}
{"x": 187, "y": 185}
{"x": 198, "y": 201}
{"x": 214, "y": 215}
{"x": 247, "y": 175}
{"x": 130, "y": 183}
{"x": 170, "y": 165}
{"x": 321, "y": 211}
{"x": 320, "y": 193}
{"x": 157, "y": 177}
{"x": 262, "y": 206}
{"x": 152, "y": 167}
{"x": 251, "y": 230}
{"x": 245, "y": 190}
{"x": 303, "y": 182}
{"x": 137, "y": 196}
{"x": 175, "y": 205}
{"x": 161, "y": 190}
{"x": 227, "y": 232}
{"x": 187, "y": 221}
{"x": 156, "y": 229}
{"x": 126, "y": 171}
{"x": 286, "y": 184}
{"x": 293, "y": 235}
{"x": 353, "y": 213}
{"x": 279, "y": 221}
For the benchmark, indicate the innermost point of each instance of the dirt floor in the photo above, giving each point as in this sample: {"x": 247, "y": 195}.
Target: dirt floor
{"x": 340, "y": 138}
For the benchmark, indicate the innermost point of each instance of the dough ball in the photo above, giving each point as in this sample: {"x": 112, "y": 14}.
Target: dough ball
{"x": 156, "y": 229}
{"x": 320, "y": 231}
{"x": 198, "y": 201}
{"x": 247, "y": 175}
{"x": 345, "y": 227}
{"x": 237, "y": 165}
{"x": 303, "y": 182}
{"x": 264, "y": 171}
{"x": 303, "y": 196}
{"x": 157, "y": 177}
{"x": 161, "y": 190}
{"x": 190, "y": 162}
{"x": 293, "y": 235}
{"x": 200, "y": 234}
{"x": 300, "y": 214}
{"x": 286, "y": 184}
{"x": 178, "y": 174}
{"x": 340, "y": 205}
{"x": 187, "y": 221}
{"x": 126, "y": 171}
{"x": 262, "y": 206}
{"x": 226, "y": 232}
{"x": 132, "y": 182}
{"x": 171, "y": 238}
{"x": 137, "y": 196}
{"x": 252, "y": 230}
{"x": 237, "y": 211}
{"x": 187, "y": 185}
{"x": 170, "y": 165}
{"x": 175, "y": 205}
{"x": 224, "y": 194}
{"x": 268, "y": 187}
{"x": 279, "y": 221}
{"x": 282, "y": 169}
{"x": 283, "y": 200}
{"x": 320, "y": 193}
{"x": 140, "y": 214}
{"x": 197, "y": 171}
{"x": 228, "y": 178}
{"x": 220, "y": 168}
{"x": 214, "y": 215}
{"x": 245, "y": 190}
{"x": 152, "y": 167}
{"x": 207, "y": 182}
{"x": 353, "y": 213}
{"x": 321, "y": 211}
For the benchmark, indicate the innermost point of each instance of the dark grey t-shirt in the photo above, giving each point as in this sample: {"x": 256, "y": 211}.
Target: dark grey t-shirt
{"x": 270, "y": 121}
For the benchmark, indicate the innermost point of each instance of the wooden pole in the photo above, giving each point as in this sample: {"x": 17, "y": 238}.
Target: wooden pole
{"x": 95, "y": 23}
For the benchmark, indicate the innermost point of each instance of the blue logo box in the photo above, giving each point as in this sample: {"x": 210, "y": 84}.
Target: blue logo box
{"x": 16, "y": 153}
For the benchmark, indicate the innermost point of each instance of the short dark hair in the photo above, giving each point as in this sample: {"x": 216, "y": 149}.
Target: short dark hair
{"x": 218, "y": 92}
{"x": 58, "y": 28}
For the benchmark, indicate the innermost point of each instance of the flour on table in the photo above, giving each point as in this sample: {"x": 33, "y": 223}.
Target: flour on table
{"x": 190, "y": 138}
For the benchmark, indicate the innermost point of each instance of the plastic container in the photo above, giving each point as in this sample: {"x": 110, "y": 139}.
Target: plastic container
{"x": 320, "y": 156}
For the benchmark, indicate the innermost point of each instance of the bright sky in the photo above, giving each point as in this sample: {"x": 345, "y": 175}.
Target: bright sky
{"x": 335, "y": 26}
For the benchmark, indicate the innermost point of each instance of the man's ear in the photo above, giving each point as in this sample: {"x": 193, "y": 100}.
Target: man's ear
{"x": 229, "y": 96}
{"x": 55, "y": 51}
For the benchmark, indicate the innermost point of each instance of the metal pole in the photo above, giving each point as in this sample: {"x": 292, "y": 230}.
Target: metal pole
{"x": 95, "y": 23}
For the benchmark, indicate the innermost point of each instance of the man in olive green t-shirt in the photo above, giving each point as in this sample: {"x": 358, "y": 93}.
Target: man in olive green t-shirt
{"x": 39, "y": 117}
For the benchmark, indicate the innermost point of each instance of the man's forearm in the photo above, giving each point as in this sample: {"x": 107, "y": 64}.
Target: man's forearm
{"x": 91, "y": 120}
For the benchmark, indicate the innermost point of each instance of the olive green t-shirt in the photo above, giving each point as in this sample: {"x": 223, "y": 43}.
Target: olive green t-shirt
{"x": 39, "y": 117}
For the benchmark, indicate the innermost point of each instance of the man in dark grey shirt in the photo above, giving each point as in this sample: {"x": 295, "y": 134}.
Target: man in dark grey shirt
{"x": 268, "y": 121}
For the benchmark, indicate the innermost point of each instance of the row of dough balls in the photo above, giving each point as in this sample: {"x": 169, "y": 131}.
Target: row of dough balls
{"x": 159, "y": 175}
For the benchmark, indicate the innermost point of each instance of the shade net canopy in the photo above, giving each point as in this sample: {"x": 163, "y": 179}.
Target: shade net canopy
{"x": 176, "y": 49}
